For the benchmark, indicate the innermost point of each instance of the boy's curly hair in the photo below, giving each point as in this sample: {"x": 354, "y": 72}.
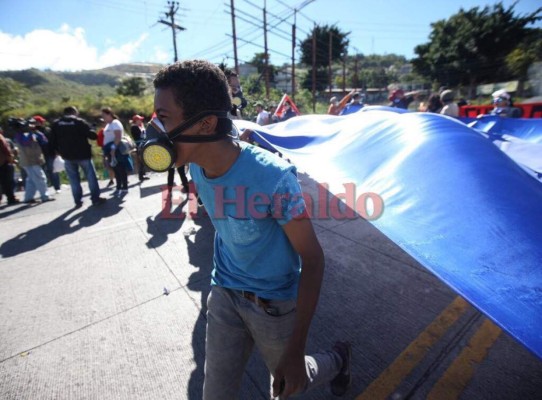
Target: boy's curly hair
{"x": 197, "y": 85}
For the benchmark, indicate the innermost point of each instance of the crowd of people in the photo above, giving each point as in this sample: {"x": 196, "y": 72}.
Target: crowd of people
{"x": 33, "y": 159}
{"x": 35, "y": 144}
{"x": 443, "y": 102}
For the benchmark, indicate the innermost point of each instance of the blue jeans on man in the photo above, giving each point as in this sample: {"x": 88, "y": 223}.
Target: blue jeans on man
{"x": 72, "y": 170}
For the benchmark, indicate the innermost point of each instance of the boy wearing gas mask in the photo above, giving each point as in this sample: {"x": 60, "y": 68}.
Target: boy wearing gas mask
{"x": 268, "y": 264}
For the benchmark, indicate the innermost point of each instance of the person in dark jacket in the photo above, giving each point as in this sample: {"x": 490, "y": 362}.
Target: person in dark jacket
{"x": 69, "y": 138}
{"x": 7, "y": 161}
{"x": 399, "y": 99}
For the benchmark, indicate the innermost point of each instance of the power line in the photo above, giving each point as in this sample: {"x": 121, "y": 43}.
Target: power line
{"x": 261, "y": 46}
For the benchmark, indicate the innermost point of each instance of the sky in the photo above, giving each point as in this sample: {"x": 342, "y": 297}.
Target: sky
{"x": 73, "y": 35}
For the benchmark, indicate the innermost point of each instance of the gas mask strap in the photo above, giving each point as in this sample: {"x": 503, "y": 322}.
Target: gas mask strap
{"x": 174, "y": 134}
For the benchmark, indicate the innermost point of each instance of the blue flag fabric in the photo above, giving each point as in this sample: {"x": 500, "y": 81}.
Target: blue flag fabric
{"x": 526, "y": 129}
{"x": 452, "y": 200}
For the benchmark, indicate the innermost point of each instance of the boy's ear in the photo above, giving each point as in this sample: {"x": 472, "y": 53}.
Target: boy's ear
{"x": 209, "y": 124}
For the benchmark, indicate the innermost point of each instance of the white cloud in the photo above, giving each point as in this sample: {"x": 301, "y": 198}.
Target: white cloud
{"x": 122, "y": 54}
{"x": 64, "y": 50}
{"x": 161, "y": 56}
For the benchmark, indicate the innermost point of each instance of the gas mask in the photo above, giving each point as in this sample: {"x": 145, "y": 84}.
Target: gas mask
{"x": 158, "y": 152}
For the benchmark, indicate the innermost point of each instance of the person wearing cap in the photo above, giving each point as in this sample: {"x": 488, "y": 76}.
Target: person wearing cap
{"x": 268, "y": 265}
{"x": 48, "y": 153}
{"x": 29, "y": 142}
{"x": 137, "y": 130}
{"x": 354, "y": 106}
{"x": 69, "y": 138}
{"x": 399, "y": 99}
{"x": 449, "y": 107}
{"x": 503, "y": 105}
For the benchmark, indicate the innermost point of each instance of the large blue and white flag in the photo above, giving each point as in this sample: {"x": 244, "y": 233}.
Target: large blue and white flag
{"x": 452, "y": 198}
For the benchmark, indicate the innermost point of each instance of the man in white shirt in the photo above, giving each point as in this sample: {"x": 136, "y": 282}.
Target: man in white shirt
{"x": 263, "y": 116}
{"x": 449, "y": 108}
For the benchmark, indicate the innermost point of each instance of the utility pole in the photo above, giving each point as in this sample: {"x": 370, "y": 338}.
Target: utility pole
{"x": 295, "y": 10}
{"x": 344, "y": 72}
{"x": 356, "y": 76}
{"x": 173, "y": 8}
{"x": 314, "y": 69}
{"x": 266, "y": 54}
{"x": 234, "y": 37}
{"x": 330, "y": 58}
{"x": 293, "y": 55}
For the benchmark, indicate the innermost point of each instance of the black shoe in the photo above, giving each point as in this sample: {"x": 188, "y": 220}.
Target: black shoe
{"x": 32, "y": 201}
{"x": 98, "y": 201}
{"x": 342, "y": 382}
{"x": 110, "y": 183}
{"x": 143, "y": 178}
{"x": 48, "y": 199}
{"x": 79, "y": 204}
{"x": 13, "y": 201}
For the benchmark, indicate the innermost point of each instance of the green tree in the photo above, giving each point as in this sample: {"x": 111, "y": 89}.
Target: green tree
{"x": 321, "y": 79}
{"x": 253, "y": 85}
{"x": 132, "y": 87}
{"x": 375, "y": 78}
{"x": 523, "y": 56}
{"x": 339, "y": 45}
{"x": 259, "y": 62}
{"x": 471, "y": 46}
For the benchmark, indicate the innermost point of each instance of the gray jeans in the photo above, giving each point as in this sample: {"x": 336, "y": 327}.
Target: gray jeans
{"x": 234, "y": 325}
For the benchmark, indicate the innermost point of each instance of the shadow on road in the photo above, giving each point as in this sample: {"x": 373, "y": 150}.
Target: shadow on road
{"x": 65, "y": 224}
{"x": 200, "y": 253}
{"x": 164, "y": 224}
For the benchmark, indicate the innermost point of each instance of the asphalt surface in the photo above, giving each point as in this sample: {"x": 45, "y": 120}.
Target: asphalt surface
{"x": 108, "y": 302}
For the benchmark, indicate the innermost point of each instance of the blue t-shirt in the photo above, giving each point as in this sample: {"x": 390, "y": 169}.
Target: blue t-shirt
{"x": 248, "y": 206}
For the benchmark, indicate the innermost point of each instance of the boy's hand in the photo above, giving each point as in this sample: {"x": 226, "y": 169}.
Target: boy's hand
{"x": 290, "y": 375}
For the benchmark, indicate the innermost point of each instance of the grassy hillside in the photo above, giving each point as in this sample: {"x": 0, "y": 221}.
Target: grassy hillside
{"x": 48, "y": 92}
{"x": 51, "y": 88}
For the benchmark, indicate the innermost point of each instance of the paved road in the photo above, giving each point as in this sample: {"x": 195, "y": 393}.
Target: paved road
{"x": 109, "y": 303}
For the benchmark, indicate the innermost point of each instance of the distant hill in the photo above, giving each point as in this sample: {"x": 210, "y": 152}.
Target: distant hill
{"x": 50, "y": 85}
{"x": 106, "y": 76}
{"x": 133, "y": 68}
